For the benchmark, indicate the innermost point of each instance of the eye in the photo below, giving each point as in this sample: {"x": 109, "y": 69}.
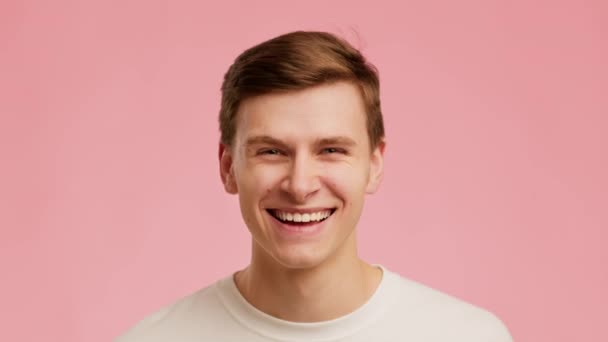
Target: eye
{"x": 332, "y": 150}
{"x": 270, "y": 151}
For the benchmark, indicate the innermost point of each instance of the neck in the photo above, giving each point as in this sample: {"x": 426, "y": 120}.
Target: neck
{"x": 334, "y": 288}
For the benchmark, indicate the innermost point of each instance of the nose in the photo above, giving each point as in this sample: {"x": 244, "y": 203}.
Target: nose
{"x": 302, "y": 180}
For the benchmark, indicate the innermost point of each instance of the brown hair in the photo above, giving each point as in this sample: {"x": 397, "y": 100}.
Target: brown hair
{"x": 296, "y": 61}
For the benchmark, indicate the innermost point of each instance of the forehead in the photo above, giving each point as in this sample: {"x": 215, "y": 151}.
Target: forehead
{"x": 321, "y": 111}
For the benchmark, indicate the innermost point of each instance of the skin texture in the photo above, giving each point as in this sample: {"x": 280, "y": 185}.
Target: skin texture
{"x": 294, "y": 151}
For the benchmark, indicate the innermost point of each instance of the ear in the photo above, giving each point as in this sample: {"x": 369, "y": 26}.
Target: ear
{"x": 226, "y": 170}
{"x": 376, "y": 168}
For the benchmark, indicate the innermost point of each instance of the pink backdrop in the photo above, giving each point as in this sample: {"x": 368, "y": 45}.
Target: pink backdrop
{"x": 495, "y": 189}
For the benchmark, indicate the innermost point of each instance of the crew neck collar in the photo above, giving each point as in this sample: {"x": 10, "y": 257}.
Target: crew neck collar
{"x": 282, "y": 330}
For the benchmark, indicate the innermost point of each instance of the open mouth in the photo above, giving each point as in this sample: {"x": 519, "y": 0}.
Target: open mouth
{"x": 299, "y": 218}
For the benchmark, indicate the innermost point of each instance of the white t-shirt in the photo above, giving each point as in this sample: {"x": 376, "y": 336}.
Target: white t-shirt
{"x": 399, "y": 310}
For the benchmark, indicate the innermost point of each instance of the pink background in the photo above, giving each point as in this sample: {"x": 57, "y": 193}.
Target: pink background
{"x": 495, "y": 188}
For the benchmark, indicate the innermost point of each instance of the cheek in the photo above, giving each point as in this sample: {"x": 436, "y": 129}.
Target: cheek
{"x": 347, "y": 181}
{"x": 260, "y": 179}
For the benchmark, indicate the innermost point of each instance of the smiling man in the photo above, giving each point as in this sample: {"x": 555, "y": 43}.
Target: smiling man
{"x": 302, "y": 144}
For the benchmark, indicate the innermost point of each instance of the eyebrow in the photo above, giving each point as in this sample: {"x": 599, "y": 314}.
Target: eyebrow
{"x": 263, "y": 139}
{"x": 266, "y": 139}
{"x": 340, "y": 141}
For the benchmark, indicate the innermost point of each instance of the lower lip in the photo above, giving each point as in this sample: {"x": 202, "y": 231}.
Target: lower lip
{"x": 303, "y": 231}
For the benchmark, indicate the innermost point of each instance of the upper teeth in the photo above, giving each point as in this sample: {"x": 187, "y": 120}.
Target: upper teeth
{"x": 302, "y": 217}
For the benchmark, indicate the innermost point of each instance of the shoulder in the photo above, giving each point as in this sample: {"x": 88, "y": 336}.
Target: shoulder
{"x": 173, "y": 318}
{"x": 443, "y": 315}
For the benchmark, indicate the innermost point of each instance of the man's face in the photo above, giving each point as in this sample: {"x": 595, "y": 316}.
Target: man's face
{"x": 301, "y": 164}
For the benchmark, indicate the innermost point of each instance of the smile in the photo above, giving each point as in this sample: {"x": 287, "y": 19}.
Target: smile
{"x": 301, "y": 216}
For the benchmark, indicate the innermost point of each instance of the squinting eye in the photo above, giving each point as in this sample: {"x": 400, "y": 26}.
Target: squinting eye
{"x": 271, "y": 151}
{"x": 333, "y": 150}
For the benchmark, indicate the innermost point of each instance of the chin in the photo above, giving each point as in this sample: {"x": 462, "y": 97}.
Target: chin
{"x": 296, "y": 258}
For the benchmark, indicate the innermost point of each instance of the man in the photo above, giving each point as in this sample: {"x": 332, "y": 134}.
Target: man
{"x": 302, "y": 141}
